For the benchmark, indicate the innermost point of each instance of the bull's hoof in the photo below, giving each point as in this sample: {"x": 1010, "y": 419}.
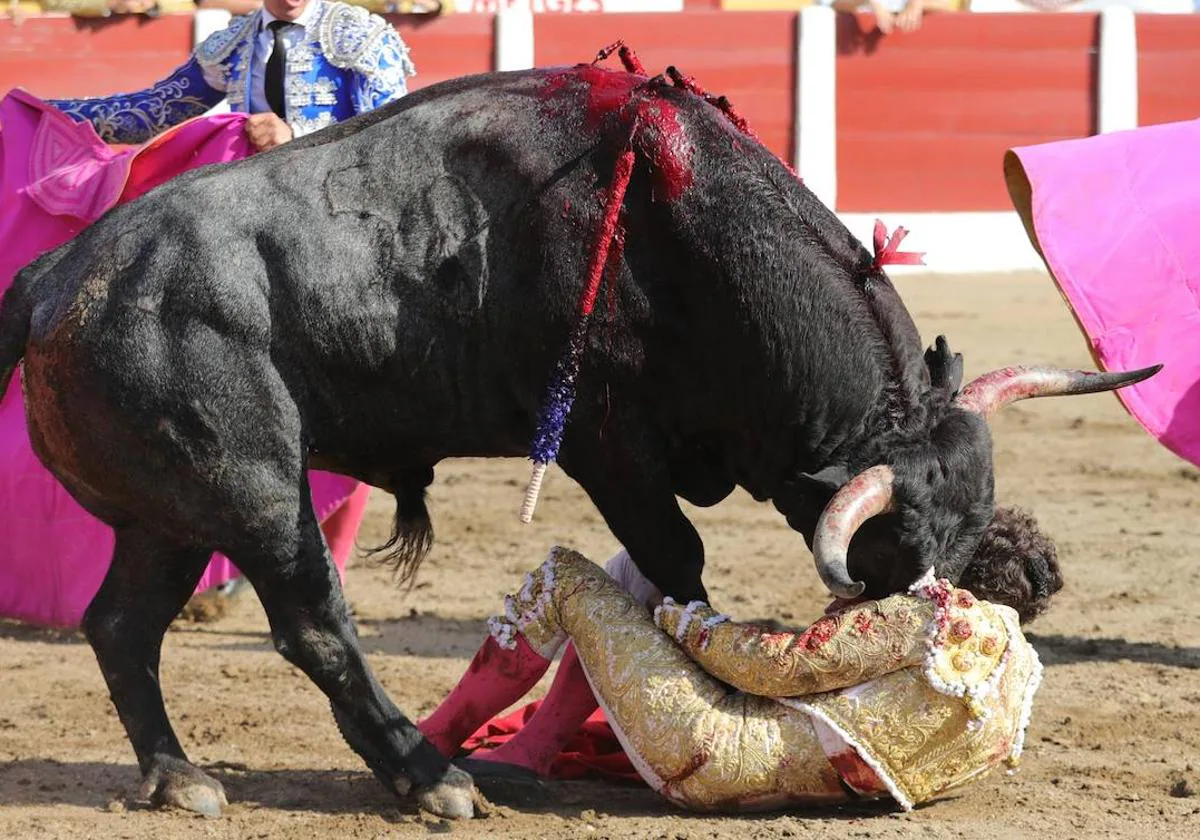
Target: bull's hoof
{"x": 454, "y": 797}
{"x": 171, "y": 781}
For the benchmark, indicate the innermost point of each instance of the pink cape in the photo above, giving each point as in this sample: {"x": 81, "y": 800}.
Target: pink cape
{"x": 1115, "y": 217}
{"x": 56, "y": 178}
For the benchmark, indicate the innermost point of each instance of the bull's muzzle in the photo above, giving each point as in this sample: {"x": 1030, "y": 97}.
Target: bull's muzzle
{"x": 871, "y": 492}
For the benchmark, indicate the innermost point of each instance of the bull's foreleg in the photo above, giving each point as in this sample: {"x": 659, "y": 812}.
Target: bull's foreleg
{"x": 148, "y": 583}
{"x": 299, "y": 587}
{"x": 625, "y": 472}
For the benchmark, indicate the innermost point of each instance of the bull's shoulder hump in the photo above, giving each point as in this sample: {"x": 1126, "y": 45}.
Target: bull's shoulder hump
{"x": 218, "y": 46}
{"x": 351, "y": 38}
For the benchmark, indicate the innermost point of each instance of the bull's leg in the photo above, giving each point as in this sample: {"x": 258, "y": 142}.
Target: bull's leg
{"x": 627, "y": 477}
{"x": 299, "y": 587}
{"x": 147, "y": 584}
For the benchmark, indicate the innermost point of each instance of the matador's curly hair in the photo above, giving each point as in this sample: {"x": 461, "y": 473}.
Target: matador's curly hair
{"x": 1015, "y": 564}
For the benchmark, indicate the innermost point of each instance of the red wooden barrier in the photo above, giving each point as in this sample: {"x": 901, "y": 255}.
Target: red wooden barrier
{"x": 747, "y": 56}
{"x": 70, "y": 57}
{"x": 1168, "y": 68}
{"x": 446, "y": 47}
{"x": 67, "y": 57}
{"x": 924, "y": 118}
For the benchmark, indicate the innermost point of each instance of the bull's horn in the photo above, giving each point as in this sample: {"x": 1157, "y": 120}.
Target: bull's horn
{"x": 989, "y": 393}
{"x": 867, "y": 494}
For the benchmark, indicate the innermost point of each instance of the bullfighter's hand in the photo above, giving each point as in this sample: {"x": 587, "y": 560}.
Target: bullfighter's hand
{"x": 884, "y": 19}
{"x": 909, "y": 19}
{"x": 267, "y": 130}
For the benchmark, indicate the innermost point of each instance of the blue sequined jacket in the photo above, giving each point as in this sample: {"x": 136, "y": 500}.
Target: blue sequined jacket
{"x": 350, "y": 62}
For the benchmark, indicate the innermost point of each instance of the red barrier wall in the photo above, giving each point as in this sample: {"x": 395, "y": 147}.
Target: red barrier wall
{"x": 924, "y": 118}
{"x": 446, "y": 47}
{"x": 747, "y": 56}
{"x": 1168, "y": 68}
{"x": 126, "y": 54}
{"x": 67, "y": 57}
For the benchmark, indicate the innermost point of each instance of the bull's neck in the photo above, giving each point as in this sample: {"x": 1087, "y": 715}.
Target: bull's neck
{"x": 852, "y": 425}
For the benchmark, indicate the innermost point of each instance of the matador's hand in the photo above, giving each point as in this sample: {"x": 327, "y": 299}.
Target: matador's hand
{"x": 267, "y": 130}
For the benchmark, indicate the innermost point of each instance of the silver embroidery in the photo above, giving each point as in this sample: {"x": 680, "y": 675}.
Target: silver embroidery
{"x": 137, "y": 118}
{"x": 307, "y": 125}
{"x": 386, "y": 83}
{"x": 218, "y": 46}
{"x": 325, "y": 92}
{"x": 300, "y": 58}
{"x": 239, "y": 95}
{"x": 347, "y": 34}
{"x": 299, "y": 92}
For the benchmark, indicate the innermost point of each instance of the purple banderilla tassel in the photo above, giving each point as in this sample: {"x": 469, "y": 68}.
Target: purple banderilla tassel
{"x": 552, "y": 419}
{"x": 560, "y": 396}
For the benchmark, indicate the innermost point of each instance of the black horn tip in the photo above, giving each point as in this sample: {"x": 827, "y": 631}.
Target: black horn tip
{"x": 848, "y": 591}
{"x": 1112, "y": 380}
{"x": 838, "y": 581}
{"x": 1118, "y": 379}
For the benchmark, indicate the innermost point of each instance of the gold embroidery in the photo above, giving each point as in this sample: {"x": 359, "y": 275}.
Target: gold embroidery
{"x": 835, "y": 652}
{"x": 708, "y": 749}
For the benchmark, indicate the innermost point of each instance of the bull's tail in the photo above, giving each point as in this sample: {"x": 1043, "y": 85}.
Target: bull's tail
{"x": 16, "y": 310}
{"x": 412, "y": 530}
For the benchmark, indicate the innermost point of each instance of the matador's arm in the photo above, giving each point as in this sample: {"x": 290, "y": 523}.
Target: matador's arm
{"x": 838, "y": 651}
{"x": 136, "y": 117}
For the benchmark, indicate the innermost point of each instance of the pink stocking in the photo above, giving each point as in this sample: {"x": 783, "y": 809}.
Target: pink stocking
{"x": 568, "y": 704}
{"x": 341, "y": 527}
{"x": 495, "y": 679}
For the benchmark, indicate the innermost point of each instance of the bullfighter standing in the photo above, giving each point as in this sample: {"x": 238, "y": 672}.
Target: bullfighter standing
{"x": 296, "y": 65}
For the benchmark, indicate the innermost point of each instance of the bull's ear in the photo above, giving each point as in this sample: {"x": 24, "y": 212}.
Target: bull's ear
{"x": 824, "y": 482}
{"x": 945, "y": 367}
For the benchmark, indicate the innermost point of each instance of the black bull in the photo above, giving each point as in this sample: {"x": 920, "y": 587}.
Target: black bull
{"x": 396, "y": 290}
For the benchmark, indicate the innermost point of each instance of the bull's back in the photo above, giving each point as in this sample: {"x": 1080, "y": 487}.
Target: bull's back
{"x": 418, "y": 249}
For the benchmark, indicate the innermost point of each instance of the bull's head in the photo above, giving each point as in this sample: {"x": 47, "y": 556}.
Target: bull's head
{"x": 927, "y": 503}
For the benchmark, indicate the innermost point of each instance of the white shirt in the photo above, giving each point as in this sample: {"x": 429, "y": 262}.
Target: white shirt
{"x": 264, "y": 45}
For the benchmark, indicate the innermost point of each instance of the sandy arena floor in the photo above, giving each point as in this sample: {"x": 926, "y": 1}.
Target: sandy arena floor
{"x": 1113, "y": 750}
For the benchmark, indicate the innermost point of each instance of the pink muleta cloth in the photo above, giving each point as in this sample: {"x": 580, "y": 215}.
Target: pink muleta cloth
{"x": 57, "y": 177}
{"x": 1115, "y": 218}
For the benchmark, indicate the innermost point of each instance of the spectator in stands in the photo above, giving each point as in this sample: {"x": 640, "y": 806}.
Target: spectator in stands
{"x": 237, "y": 7}
{"x": 379, "y": 7}
{"x": 891, "y": 15}
{"x": 101, "y": 8}
{"x": 1169, "y": 7}
{"x": 295, "y": 65}
{"x": 104, "y": 8}
{"x": 400, "y": 7}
